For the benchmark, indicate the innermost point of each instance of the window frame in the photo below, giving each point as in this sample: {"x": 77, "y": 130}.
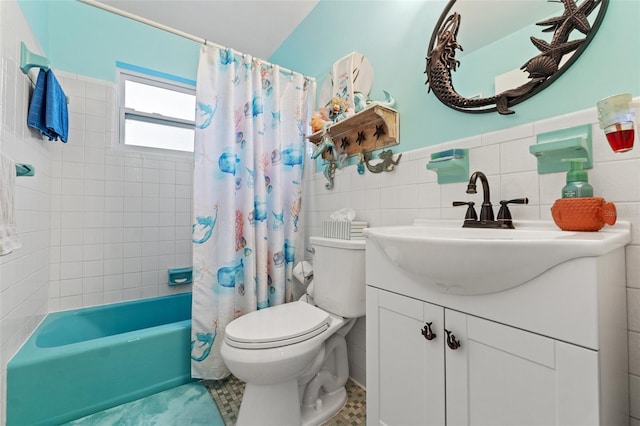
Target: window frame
{"x": 125, "y": 113}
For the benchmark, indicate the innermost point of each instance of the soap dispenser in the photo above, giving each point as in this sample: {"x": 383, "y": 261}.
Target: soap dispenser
{"x": 577, "y": 180}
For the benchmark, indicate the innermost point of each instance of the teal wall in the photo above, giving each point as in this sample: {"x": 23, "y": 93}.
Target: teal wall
{"x": 394, "y": 35}
{"x": 37, "y": 14}
{"x": 85, "y": 40}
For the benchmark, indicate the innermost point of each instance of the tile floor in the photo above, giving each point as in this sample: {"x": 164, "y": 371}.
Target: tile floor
{"x": 227, "y": 394}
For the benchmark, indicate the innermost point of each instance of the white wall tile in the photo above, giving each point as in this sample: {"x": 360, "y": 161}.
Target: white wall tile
{"x": 70, "y": 287}
{"x": 509, "y": 134}
{"x": 515, "y": 156}
{"x": 407, "y": 196}
{"x": 92, "y": 299}
{"x": 634, "y": 353}
{"x": 519, "y": 185}
{"x": 573, "y": 119}
{"x": 428, "y": 195}
{"x": 408, "y": 173}
{"x": 633, "y": 266}
{"x": 372, "y": 197}
{"x": 485, "y": 159}
{"x": 634, "y": 390}
{"x": 389, "y": 217}
{"x": 610, "y": 180}
{"x": 99, "y": 199}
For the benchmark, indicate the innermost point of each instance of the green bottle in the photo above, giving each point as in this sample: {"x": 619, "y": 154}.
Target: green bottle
{"x": 577, "y": 181}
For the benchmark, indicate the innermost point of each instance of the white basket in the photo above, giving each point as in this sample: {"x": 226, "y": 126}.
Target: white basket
{"x": 343, "y": 230}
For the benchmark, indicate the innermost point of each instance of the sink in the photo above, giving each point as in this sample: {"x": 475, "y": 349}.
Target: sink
{"x": 475, "y": 261}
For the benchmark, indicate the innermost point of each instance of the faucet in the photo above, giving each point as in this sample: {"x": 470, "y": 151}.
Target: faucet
{"x": 487, "y": 220}
{"x": 486, "y": 211}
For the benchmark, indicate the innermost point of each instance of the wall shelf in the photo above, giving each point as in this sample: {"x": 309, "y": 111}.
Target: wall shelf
{"x": 373, "y": 128}
{"x": 553, "y": 148}
{"x": 451, "y": 165}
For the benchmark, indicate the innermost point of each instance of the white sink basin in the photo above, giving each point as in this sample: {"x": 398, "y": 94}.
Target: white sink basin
{"x": 470, "y": 261}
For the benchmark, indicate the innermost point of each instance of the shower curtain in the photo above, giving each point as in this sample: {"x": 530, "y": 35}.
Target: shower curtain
{"x": 251, "y": 124}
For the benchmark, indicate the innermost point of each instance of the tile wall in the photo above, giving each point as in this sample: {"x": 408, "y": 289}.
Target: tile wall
{"x": 119, "y": 218}
{"x": 24, "y": 274}
{"x": 98, "y": 224}
{"x": 411, "y": 191}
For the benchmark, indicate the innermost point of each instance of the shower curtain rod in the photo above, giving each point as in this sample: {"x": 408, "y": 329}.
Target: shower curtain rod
{"x": 168, "y": 29}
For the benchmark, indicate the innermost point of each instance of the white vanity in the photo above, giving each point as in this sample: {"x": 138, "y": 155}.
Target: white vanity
{"x": 547, "y": 346}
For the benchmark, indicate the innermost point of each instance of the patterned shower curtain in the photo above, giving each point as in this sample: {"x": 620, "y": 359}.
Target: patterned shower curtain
{"x": 251, "y": 124}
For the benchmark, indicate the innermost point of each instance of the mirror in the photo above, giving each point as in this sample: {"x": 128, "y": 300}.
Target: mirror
{"x": 514, "y": 49}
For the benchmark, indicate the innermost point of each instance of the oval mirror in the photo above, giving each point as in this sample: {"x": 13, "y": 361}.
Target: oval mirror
{"x": 487, "y": 56}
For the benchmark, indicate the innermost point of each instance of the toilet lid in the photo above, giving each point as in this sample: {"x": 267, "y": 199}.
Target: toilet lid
{"x": 277, "y": 326}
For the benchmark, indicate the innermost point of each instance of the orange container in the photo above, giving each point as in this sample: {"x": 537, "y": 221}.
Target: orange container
{"x": 583, "y": 214}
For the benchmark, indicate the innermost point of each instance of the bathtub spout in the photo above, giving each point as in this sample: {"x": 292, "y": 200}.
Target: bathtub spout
{"x": 328, "y": 380}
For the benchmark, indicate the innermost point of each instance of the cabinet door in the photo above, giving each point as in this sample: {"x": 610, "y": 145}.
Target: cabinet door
{"x": 501, "y": 375}
{"x": 405, "y": 371}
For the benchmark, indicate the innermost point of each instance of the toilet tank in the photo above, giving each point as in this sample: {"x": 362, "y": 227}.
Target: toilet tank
{"x": 338, "y": 276}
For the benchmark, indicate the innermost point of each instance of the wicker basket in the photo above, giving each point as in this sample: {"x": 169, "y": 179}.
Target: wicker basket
{"x": 583, "y": 214}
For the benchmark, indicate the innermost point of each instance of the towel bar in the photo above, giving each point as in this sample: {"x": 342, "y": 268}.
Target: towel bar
{"x": 29, "y": 60}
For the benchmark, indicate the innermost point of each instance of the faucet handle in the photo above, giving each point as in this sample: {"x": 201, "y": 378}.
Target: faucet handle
{"x": 524, "y": 200}
{"x": 504, "y": 215}
{"x": 471, "y": 214}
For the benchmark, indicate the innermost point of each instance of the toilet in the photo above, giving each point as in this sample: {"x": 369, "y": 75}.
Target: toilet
{"x": 293, "y": 357}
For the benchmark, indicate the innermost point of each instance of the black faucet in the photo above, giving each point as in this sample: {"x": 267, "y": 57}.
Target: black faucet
{"x": 486, "y": 211}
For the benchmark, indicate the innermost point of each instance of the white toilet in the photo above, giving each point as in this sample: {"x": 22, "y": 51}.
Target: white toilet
{"x": 293, "y": 357}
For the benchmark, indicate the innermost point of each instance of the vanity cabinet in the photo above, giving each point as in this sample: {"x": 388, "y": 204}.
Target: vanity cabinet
{"x": 499, "y": 375}
{"x": 551, "y": 351}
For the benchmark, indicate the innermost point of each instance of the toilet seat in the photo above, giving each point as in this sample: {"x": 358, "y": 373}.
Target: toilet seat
{"x": 277, "y": 326}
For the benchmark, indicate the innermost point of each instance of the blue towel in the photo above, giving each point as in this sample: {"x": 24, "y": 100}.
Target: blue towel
{"x": 37, "y": 107}
{"x": 48, "y": 108}
{"x": 56, "y": 114}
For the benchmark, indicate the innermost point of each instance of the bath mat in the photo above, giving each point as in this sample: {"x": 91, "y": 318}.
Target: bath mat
{"x": 188, "y": 404}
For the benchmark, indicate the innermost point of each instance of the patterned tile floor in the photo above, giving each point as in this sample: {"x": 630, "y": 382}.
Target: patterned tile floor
{"x": 227, "y": 394}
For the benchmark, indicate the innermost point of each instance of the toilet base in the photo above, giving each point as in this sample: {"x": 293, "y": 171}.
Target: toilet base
{"x": 270, "y": 405}
{"x": 326, "y": 407}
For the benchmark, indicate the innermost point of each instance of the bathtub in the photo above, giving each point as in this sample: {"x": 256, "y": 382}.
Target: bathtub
{"x": 86, "y": 360}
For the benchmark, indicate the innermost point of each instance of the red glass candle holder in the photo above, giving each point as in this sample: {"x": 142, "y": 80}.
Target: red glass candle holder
{"x": 620, "y": 136}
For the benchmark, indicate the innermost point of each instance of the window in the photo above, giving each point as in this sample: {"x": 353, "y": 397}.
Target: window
{"x": 156, "y": 112}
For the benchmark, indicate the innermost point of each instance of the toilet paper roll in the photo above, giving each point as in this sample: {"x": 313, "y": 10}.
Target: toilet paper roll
{"x": 303, "y": 271}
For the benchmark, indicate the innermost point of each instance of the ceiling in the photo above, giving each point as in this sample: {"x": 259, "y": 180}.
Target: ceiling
{"x": 256, "y": 27}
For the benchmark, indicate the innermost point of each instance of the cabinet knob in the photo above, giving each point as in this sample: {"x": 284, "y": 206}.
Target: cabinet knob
{"x": 451, "y": 340}
{"x": 427, "y": 332}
